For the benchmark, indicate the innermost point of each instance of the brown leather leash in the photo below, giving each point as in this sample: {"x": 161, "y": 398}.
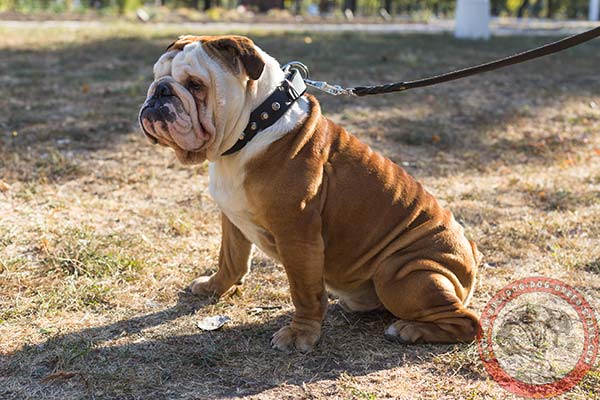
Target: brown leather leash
{"x": 518, "y": 58}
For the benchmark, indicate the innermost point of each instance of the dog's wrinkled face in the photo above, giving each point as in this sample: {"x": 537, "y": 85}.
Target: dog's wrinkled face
{"x": 200, "y": 94}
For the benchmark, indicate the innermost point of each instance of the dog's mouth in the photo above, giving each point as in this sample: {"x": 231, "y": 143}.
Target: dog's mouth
{"x": 165, "y": 121}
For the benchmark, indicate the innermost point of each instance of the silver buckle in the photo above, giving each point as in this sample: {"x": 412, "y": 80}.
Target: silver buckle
{"x": 297, "y": 65}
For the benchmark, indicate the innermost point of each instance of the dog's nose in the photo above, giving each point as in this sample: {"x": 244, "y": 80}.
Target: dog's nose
{"x": 163, "y": 90}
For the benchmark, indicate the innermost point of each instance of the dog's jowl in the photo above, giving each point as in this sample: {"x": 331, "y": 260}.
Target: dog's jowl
{"x": 338, "y": 216}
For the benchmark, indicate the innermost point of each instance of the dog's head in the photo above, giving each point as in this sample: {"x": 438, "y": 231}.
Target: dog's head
{"x": 204, "y": 90}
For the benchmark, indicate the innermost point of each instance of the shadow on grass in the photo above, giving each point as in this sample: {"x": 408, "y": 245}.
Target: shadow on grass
{"x": 118, "y": 361}
{"x": 66, "y": 101}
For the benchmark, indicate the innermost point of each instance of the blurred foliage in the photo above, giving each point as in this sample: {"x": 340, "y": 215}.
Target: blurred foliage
{"x": 418, "y": 9}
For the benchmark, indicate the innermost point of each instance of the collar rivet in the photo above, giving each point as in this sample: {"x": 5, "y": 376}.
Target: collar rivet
{"x": 275, "y": 106}
{"x": 242, "y": 136}
{"x": 264, "y": 116}
{"x": 253, "y": 126}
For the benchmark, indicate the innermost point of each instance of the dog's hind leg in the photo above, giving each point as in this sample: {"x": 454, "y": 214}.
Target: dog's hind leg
{"x": 429, "y": 304}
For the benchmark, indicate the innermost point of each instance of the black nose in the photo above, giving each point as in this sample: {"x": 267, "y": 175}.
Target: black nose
{"x": 163, "y": 90}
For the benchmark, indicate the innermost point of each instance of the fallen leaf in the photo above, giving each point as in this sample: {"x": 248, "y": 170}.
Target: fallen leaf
{"x": 4, "y": 187}
{"x": 597, "y": 151}
{"x": 435, "y": 138}
{"x": 213, "y": 323}
{"x": 59, "y": 376}
{"x": 567, "y": 162}
{"x": 504, "y": 170}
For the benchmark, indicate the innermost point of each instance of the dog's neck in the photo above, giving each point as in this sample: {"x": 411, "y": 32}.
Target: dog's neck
{"x": 272, "y": 76}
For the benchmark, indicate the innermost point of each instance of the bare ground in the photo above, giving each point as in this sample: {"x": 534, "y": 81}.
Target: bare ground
{"x": 100, "y": 233}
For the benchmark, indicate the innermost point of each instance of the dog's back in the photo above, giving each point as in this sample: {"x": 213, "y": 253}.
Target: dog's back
{"x": 372, "y": 211}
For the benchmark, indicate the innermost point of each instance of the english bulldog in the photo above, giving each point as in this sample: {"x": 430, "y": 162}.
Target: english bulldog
{"x": 337, "y": 215}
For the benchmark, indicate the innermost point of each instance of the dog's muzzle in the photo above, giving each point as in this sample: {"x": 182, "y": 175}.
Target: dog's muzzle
{"x": 155, "y": 108}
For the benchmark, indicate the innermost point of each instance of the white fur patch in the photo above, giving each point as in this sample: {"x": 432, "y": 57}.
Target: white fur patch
{"x": 163, "y": 66}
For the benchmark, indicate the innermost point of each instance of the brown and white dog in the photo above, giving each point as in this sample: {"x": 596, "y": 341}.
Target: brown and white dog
{"x": 336, "y": 214}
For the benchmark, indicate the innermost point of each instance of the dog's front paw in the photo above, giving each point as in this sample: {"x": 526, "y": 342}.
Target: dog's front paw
{"x": 288, "y": 338}
{"x": 202, "y": 287}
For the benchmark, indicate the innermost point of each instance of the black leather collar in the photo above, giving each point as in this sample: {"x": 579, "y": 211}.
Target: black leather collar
{"x": 271, "y": 109}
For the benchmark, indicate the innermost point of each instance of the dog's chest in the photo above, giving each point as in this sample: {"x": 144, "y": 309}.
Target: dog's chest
{"x": 227, "y": 189}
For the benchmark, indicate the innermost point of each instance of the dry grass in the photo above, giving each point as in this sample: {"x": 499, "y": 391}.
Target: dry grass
{"x": 100, "y": 232}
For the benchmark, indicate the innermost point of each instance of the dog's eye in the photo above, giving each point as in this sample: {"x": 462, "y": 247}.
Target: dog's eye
{"x": 194, "y": 85}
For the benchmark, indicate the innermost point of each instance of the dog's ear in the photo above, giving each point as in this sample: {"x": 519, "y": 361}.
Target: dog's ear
{"x": 238, "y": 51}
{"x": 184, "y": 40}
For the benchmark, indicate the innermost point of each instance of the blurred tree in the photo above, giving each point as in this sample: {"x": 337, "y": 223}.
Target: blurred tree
{"x": 498, "y": 6}
{"x": 577, "y": 8}
{"x": 536, "y": 9}
{"x": 522, "y": 8}
{"x": 297, "y": 6}
{"x": 326, "y": 6}
{"x": 265, "y": 5}
{"x": 208, "y": 4}
{"x": 387, "y": 5}
{"x": 574, "y": 9}
{"x": 551, "y": 6}
{"x": 349, "y": 5}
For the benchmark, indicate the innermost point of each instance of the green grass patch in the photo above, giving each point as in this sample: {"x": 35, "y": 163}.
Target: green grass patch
{"x": 81, "y": 252}
{"x": 72, "y": 296}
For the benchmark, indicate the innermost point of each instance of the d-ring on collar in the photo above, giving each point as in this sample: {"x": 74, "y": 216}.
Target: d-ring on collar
{"x": 272, "y": 108}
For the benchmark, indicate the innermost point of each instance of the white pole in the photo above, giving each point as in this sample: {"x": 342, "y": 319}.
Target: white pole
{"x": 472, "y": 19}
{"x": 594, "y": 10}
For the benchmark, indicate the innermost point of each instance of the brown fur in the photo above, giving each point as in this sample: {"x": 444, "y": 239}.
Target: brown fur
{"x": 232, "y": 50}
{"x": 340, "y": 215}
